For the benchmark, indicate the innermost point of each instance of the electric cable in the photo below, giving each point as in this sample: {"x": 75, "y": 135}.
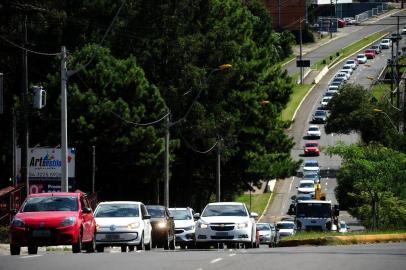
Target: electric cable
{"x": 28, "y": 50}
{"x": 139, "y": 124}
{"x": 189, "y": 145}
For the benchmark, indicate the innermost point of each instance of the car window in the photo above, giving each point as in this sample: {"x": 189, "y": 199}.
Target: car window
{"x": 285, "y": 225}
{"x": 54, "y": 203}
{"x": 117, "y": 210}
{"x": 225, "y": 210}
{"x": 305, "y": 185}
{"x": 156, "y": 211}
{"x": 313, "y": 129}
{"x": 311, "y": 144}
{"x": 263, "y": 227}
{"x": 179, "y": 214}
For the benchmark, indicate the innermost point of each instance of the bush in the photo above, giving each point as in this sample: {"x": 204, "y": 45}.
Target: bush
{"x": 4, "y": 234}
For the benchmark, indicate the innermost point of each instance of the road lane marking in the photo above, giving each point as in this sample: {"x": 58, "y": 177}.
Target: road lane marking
{"x": 326, "y": 183}
{"x": 30, "y": 256}
{"x": 216, "y": 260}
{"x": 290, "y": 186}
{"x": 232, "y": 254}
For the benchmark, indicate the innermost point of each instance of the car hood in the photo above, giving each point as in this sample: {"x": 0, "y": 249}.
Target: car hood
{"x": 224, "y": 219}
{"x": 264, "y": 233}
{"x": 306, "y": 189}
{"x": 46, "y": 219}
{"x": 184, "y": 223}
{"x": 118, "y": 221}
{"x": 311, "y": 168}
{"x": 285, "y": 231}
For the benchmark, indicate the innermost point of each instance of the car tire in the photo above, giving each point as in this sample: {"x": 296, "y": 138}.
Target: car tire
{"x": 141, "y": 245}
{"x": 77, "y": 247}
{"x": 123, "y": 249}
{"x": 91, "y": 246}
{"x": 172, "y": 244}
{"x": 131, "y": 248}
{"x": 15, "y": 250}
{"x": 32, "y": 250}
{"x": 166, "y": 244}
{"x": 149, "y": 246}
{"x": 100, "y": 249}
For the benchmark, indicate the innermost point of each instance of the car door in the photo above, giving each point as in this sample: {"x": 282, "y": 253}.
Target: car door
{"x": 88, "y": 222}
{"x": 147, "y": 224}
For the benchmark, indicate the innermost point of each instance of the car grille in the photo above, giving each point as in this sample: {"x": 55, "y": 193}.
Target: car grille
{"x": 178, "y": 231}
{"x": 222, "y": 227}
{"x": 222, "y": 237}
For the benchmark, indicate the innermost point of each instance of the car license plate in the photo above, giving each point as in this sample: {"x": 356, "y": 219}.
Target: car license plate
{"x": 112, "y": 236}
{"x": 41, "y": 233}
{"x": 221, "y": 234}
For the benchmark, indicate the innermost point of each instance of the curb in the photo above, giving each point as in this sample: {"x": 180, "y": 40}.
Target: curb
{"x": 269, "y": 201}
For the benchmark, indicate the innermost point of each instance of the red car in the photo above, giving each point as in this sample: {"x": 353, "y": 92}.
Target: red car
{"x": 49, "y": 219}
{"x": 341, "y": 23}
{"x": 370, "y": 54}
{"x": 311, "y": 148}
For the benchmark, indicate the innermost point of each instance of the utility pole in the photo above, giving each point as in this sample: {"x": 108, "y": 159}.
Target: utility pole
{"x": 14, "y": 143}
{"x": 64, "y": 131}
{"x": 166, "y": 162}
{"x": 93, "y": 168}
{"x": 300, "y": 47}
{"x": 24, "y": 96}
{"x": 218, "y": 172}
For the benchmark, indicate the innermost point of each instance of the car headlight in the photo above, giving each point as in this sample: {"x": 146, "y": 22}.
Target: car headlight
{"x": 17, "y": 223}
{"x": 133, "y": 226}
{"x": 242, "y": 225}
{"x": 203, "y": 225}
{"x": 162, "y": 225}
{"x": 189, "y": 228}
{"x": 68, "y": 221}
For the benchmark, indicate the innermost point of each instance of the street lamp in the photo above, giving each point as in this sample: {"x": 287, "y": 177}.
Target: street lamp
{"x": 387, "y": 116}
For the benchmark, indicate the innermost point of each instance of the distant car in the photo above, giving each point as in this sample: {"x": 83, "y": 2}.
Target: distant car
{"x": 346, "y": 71}
{"x": 306, "y": 187}
{"x": 338, "y": 81}
{"x": 311, "y": 165}
{"x": 331, "y": 93}
{"x": 403, "y": 32}
{"x": 311, "y": 175}
{"x": 376, "y": 48}
{"x": 348, "y": 67}
{"x": 342, "y": 227}
{"x": 352, "y": 63}
{"x": 303, "y": 197}
{"x": 319, "y": 116}
{"x": 341, "y": 23}
{"x": 395, "y": 36}
{"x": 286, "y": 228}
{"x": 311, "y": 148}
{"x": 124, "y": 224}
{"x": 344, "y": 75}
{"x": 184, "y": 226}
{"x": 370, "y": 53}
{"x": 386, "y": 43}
{"x": 332, "y": 87}
{"x": 324, "y": 101}
{"x": 265, "y": 233}
{"x": 227, "y": 223}
{"x": 313, "y": 132}
{"x": 163, "y": 227}
{"x": 362, "y": 59}
{"x": 50, "y": 219}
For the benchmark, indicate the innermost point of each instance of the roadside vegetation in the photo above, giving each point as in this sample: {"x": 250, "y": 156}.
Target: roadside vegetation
{"x": 258, "y": 201}
{"x": 299, "y": 91}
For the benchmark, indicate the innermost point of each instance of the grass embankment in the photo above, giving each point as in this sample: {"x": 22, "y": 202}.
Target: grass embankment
{"x": 335, "y": 238}
{"x": 379, "y": 90}
{"x": 258, "y": 201}
{"x": 298, "y": 93}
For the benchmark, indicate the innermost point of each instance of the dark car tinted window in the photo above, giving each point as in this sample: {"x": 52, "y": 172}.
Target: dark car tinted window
{"x": 54, "y": 203}
{"x": 156, "y": 211}
{"x": 117, "y": 210}
{"x": 224, "y": 210}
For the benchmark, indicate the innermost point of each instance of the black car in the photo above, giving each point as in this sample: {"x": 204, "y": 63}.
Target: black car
{"x": 163, "y": 227}
{"x": 320, "y": 116}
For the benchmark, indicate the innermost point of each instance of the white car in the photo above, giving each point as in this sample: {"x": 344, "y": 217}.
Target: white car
{"x": 311, "y": 165}
{"x": 324, "y": 101}
{"x": 332, "y": 87}
{"x": 306, "y": 187}
{"x": 362, "y": 59}
{"x": 344, "y": 75}
{"x": 286, "y": 228}
{"x": 313, "y": 131}
{"x": 225, "y": 223}
{"x": 124, "y": 224}
{"x": 331, "y": 93}
{"x": 346, "y": 71}
{"x": 184, "y": 226}
{"x": 342, "y": 227}
{"x": 352, "y": 62}
{"x": 347, "y": 67}
{"x": 386, "y": 43}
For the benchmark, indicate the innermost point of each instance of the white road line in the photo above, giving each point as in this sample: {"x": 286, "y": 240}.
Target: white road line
{"x": 30, "y": 256}
{"x": 326, "y": 183}
{"x": 216, "y": 260}
{"x": 290, "y": 186}
{"x": 199, "y": 269}
{"x": 232, "y": 254}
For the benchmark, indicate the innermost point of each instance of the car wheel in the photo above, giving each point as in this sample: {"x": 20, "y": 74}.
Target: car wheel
{"x": 91, "y": 246}
{"x": 123, "y": 248}
{"x": 149, "y": 246}
{"x": 15, "y": 250}
{"x": 141, "y": 245}
{"x": 166, "y": 244}
{"x": 77, "y": 247}
{"x": 172, "y": 244}
{"x": 131, "y": 248}
{"x": 182, "y": 246}
{"x": 100, "y": 249}
{"x": 32, "y": 249}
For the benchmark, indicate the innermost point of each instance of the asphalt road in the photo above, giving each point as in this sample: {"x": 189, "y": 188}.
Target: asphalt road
{"x": 285, "y": 190}
{"x": 372, "y": 257}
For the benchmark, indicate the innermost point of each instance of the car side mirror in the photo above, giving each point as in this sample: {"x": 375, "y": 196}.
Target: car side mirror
{"x": 147, "y": 217}
{"x": 86, "y": 210}
{"x": 254, "y": 214}
{"x": 196, "y": 216}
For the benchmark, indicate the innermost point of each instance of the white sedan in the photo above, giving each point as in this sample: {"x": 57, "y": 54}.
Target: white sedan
{"x": 324, "y": 101}
{"x": 313, "y": 131}
{"x": 362, "y": 59}
{"x": 124, "y": 224}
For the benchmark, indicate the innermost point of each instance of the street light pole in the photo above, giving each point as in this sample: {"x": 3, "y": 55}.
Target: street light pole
{"x": 64, "y": 124}
{"x": 218, "y": 174}
{"x": 300, "y": 51}
{"x": 166, "y": 162}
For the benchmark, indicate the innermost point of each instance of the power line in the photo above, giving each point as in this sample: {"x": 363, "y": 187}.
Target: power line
{"x": 140, "y": 124}
{"x": 28, "y": 50}
{"x": 194, "y": 149}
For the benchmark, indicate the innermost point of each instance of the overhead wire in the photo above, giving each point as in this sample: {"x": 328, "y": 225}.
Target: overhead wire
{"x": 189, "y": 145}
{"x": 28, "y": 50}
{"x": 140, "y": 124}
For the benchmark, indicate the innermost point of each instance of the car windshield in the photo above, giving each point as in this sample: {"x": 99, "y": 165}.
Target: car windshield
{"x": 313, "y": 129}
{"x": 51, "y": 203}
{"x": 311, "y": 144}
{"x": 346, "y": 67}
{"x": 350, "y": 62}
{"x": 117, "y": 210}
{"x": 224, "y": 210}
{"x": 360, "y": 56}
{"x": 263, "y": 227}
{"x": 310, "y": 176}
{"x": 156, "y": 211}
{"x": 181, "y": 214}
{"x": 306, "y": 185}
{"x": 285, "y": 225}
{"x": 319, "y": 113}
{"x": 303, "y": 198}
{"x": 315, "y": 210}
{"x": 311, "y": 164}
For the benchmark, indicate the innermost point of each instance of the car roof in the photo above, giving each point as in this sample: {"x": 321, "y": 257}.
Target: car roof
{"x": 226, "y": 203}
{"x": 121, "y": 202}
{"x": 311, "y": 142}
{"x": 361, "y": 54}
{"x": 285, "y": 221}
{"x": 55, "y": 194}
{"x": 180, "y": 208}
{"x": 306, "y": 181}
{"x": 314, "y": 126}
